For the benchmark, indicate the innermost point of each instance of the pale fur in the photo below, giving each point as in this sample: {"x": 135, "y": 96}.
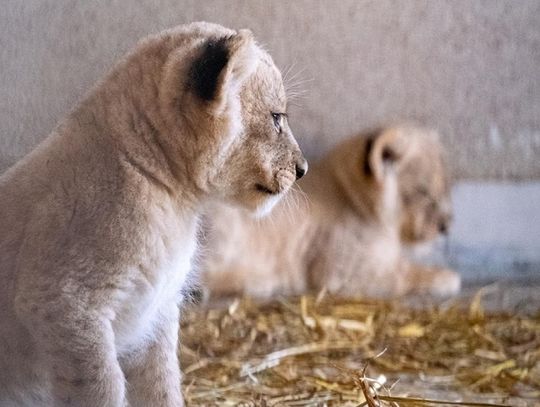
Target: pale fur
{"x": 98, "y": 224}
{"x": 346, "y": 227}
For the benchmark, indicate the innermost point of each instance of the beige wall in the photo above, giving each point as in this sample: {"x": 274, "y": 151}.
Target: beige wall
{"x": 470, "y": 68}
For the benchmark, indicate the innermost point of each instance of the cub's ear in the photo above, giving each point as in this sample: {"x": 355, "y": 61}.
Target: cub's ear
{"x": 222, "y": 66}
{"x": 384, "y": 151}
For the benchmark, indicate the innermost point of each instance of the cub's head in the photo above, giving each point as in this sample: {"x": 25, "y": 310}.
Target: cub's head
{"x": 225, "y": 103}
{"x": 398, "y": 175}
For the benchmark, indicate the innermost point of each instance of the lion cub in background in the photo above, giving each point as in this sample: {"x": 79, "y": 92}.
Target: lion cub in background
{"x": 98, "y": 224}
{"x": 370, "y": 197}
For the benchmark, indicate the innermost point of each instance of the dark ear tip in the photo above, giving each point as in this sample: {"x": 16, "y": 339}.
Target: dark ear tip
{"x": 380, "y": 151}
{"x": 370, "y": 139}
{"x": 208, "y": 66}
{"x": 368, "y": 150}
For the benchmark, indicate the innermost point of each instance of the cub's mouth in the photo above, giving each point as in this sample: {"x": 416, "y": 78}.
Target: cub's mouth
{"x": 265, "y": 190}
{"x": 282, "y": 181}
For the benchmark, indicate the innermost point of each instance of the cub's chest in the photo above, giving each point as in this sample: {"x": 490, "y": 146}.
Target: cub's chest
{"x": 156, "y": 280}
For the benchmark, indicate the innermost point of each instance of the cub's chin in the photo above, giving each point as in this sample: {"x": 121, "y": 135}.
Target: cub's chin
{"x": 258, "y": 201}
{"x": 265, "y": 206}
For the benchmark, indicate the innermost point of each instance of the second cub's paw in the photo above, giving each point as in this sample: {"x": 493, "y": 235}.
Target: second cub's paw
{"x": 439, "y": 282}
{"x": 444, "y": 283}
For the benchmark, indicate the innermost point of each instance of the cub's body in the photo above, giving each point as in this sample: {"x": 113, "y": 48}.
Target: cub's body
{"x": 111, "y": 219}
{"x": 98, "y": 224}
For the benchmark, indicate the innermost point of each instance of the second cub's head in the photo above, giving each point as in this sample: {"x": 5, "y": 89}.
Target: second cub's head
{"x": 398, "y": 175}
{"x": 227, "y": 100}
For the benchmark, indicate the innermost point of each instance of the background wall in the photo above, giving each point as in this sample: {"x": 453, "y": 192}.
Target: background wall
{"x": 470, "y": 68}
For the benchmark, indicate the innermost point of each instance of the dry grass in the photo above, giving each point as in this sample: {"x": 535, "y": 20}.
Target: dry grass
{"x": 330, "y": 352}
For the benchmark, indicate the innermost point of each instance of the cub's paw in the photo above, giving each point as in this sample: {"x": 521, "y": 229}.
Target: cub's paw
{"x": 439, "y": 282}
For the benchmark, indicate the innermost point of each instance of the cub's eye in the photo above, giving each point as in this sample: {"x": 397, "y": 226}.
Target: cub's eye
{"x": 278, "y": 121}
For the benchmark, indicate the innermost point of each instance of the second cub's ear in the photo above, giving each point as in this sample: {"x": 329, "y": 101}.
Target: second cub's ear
{"x": 221, "y": 67}
{"x": 384, "y": 151}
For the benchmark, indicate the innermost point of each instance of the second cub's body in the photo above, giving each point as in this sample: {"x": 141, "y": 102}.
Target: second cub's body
{"x": 345, "y": 229}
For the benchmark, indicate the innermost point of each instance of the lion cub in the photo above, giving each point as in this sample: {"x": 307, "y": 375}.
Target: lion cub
{"x": 346, "y": 231}
{"x": 98, "y": 224}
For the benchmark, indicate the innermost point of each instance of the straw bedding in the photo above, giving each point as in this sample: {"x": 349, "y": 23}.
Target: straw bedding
{"x": 332, "y": 352}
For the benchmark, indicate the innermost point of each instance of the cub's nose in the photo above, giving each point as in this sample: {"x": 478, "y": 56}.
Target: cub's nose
{"x": 443, "y": 227}
{"x": 444, "y": 224}
{"x": 301, "y": 168}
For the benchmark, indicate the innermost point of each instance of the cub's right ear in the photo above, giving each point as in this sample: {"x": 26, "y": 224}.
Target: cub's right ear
{"x": 383, "y": 151}
{"x": 221, "y": 67}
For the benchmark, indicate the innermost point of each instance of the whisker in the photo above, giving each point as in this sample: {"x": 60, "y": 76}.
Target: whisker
{"x": 301, "y": 196}
{"x": 296, "y": 74}
{"x": 287, "y": 71}
{"x": 295, "y": 104}
{"x": 295, "y": 82}
{"x": 298, "y": 80}
{"x": 297, "y": 93}
{"x": 288, "y": 208}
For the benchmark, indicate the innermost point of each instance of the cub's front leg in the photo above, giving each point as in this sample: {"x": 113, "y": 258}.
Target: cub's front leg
{"x": 153, "y": 372}
{"x": 76, "y": 345}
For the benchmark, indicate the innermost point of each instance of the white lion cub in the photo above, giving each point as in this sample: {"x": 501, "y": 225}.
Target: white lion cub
{"x": 98, "y": 224}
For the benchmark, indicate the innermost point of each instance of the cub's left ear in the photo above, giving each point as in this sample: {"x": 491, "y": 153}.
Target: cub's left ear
{"x": 222, "y": 66}
{"x": 383, "y": 152}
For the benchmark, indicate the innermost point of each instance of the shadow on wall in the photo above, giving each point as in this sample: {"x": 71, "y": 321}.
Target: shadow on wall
{"x": 6, "y": 162}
